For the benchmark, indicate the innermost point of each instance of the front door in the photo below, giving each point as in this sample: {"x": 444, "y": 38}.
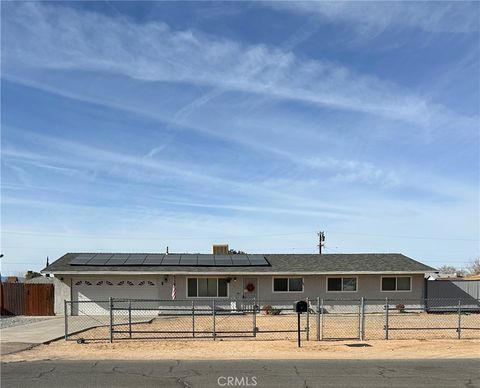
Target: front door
{"x": 249, "y": 293}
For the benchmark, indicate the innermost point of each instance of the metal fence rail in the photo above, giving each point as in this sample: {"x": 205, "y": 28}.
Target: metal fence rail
{"x": 326, "y": 319}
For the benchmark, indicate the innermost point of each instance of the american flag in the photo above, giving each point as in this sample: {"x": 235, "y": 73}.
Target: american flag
{"x": 174, "y": 291}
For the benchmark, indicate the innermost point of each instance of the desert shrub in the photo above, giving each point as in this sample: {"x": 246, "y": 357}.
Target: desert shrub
{"x": 400, "y": 307}
{"x": 274, "y": 311}
{"x": 270, "y": 310}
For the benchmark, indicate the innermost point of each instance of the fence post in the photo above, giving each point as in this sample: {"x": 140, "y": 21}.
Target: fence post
{"x": 362, "y": 319}
{"x": 386, "y": 319}
{"x": 459, "y": 328}
{"x": 308, "y": 321}
{"x": 193, "y": 318}
{"x": 317, "y": 318}
{"x": 254, "y": 317}
{"x": 130, "y": 318}
{"x": 213, "y": 313}
{"x": 65, "y": 308}
{"x": 321, "y": 319}
{"x": 110, "y": 303}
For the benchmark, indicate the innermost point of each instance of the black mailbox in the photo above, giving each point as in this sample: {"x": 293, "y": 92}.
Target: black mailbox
{"x": 300, "y": 306}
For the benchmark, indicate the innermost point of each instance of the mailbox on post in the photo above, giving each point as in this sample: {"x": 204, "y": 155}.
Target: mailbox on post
{"x": 300, "y": 306}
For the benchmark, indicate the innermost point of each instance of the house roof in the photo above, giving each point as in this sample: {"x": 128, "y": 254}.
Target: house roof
{"x": 278, "y": 264}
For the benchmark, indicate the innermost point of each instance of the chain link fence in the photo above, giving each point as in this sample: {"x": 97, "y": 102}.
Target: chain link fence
{"x": 326, "y": 319}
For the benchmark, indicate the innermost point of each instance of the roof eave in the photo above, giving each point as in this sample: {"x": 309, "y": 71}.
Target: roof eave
{"x": 303, "y": 273}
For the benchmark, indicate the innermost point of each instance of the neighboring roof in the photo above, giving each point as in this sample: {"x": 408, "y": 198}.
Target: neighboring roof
{"x": 472, "y": 277}
{"x": 443, "y": 276}
{"x": 40, "y": 280}
{"x": 279, "y": 264}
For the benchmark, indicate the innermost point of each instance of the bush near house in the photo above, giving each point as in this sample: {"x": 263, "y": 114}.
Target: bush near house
{"x": 270, "y": 310}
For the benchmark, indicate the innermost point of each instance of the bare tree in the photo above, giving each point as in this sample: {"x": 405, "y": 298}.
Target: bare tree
{"x": 450, "y": 269}
{"x": 32, "y": 274}
{"x": 473, "y": 267}
{"x": 234, "y": 252}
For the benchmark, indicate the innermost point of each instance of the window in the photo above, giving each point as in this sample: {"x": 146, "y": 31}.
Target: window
{"x": 288, "y": 285}
{"x": 397, "y": 283}
{"x": 342, "y": 284}
{"x": 207, "y": 288}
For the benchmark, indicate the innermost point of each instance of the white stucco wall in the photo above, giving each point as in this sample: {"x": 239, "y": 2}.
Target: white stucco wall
{"x": 368, "y": 286}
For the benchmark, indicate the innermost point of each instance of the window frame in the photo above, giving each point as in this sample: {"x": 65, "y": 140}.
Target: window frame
{"x": 396, "y": 283}
{"x": 288, "y": 285}
{"x": 207, "y": 297}
{"x": 341, "y": 277}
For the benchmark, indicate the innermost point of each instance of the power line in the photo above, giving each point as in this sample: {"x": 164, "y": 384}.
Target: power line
{"x": 108, "y": 237}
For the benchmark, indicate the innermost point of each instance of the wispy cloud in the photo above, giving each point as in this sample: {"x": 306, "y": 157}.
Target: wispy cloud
{"x": 62, "y": 38}
{"x": 156, "y": 171}
{"x": 375, "y": 17}
{"x": 355, "y": 171}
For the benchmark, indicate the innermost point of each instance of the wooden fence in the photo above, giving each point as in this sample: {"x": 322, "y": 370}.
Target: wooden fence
{"x": 26, "y": 299}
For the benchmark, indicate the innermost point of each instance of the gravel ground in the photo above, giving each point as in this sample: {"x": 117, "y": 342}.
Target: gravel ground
{"x": 19, "y": 320}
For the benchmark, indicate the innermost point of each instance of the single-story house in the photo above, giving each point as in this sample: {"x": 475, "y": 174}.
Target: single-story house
{"x": 264, "y": 277}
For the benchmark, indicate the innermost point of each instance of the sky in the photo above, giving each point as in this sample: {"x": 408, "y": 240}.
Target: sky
{"x": 130, "y": 127}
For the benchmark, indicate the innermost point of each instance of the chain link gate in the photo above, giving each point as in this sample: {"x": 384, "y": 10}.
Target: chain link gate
{"x": 340, "y": 319}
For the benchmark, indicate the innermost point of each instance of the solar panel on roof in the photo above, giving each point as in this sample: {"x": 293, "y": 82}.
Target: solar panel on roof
{"x": 257, "y": 260}
{"x": 223, "y": 260}
{"x": 135, "y": 259}
{"x": 82, "y": 258}
{"x": 153, "y": 260}
{"x": 240, "y": 260}
{"x": 188, "y": 260}
{"x": 171, "y": 260}
{"x": 100, "y": 259}
{"x": 206, "y": 260}
{"x": 117, "y": 259}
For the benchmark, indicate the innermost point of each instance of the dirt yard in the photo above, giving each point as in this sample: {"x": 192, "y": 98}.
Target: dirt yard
{"x": 249, "y": 349}
{"x": 283, "y": 327}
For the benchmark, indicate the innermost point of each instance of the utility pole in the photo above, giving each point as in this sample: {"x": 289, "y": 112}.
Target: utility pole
{"x": 321, "y": 241}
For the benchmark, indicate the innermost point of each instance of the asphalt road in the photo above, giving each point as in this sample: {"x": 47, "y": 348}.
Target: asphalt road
{"x": 251, "y": 373}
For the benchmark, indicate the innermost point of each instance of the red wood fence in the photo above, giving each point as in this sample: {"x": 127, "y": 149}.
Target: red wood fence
{"x": 26, "y": 299}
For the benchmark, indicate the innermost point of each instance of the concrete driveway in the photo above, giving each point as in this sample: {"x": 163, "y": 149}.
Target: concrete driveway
{"x": 25, "y": 336}
{"x": 35, "y": 332}
{"x": 17, "y": 338}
